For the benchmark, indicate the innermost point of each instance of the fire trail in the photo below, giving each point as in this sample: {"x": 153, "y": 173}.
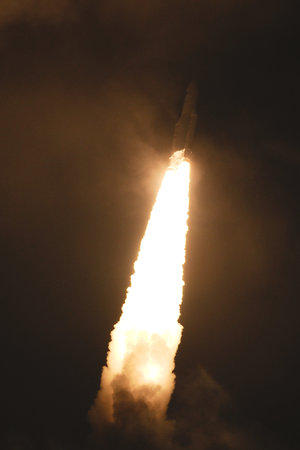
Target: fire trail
{"x": 140, "y": 359}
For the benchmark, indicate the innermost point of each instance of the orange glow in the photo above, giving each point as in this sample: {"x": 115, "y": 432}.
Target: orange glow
{"x": 145, "y": 340}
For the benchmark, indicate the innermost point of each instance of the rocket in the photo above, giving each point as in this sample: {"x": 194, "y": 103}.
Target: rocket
{"x": 186, "y": 124}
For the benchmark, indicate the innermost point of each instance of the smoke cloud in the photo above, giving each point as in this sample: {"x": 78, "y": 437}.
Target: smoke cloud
{"x": 202, "y": 417}
{"x": 202, "y": 406}
{"x": 135, "y": 424}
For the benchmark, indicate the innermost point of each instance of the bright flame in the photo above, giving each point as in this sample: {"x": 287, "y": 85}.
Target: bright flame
{"x": 145, "y": 340}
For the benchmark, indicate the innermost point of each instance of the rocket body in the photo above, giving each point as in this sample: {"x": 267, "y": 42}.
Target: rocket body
{"x": 186, "y": 125}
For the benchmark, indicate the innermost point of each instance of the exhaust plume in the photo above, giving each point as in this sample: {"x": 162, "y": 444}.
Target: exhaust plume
{"x": 138, "y": 379}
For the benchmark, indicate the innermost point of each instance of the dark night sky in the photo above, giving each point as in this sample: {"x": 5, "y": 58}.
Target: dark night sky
{"x": 89, "y": 95}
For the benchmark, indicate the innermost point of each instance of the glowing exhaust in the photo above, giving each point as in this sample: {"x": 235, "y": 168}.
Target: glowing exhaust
{"x": 144, "y": 342}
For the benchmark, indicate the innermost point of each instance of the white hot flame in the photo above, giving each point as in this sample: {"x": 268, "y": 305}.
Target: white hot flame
{"x": 145, "y": 340}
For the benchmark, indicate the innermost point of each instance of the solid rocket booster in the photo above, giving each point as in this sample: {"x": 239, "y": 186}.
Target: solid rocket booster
{"x": 186, "y": 125}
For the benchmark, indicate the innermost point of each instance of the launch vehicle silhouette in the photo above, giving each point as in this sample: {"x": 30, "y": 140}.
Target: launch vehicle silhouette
{"x": 186, "y": 124}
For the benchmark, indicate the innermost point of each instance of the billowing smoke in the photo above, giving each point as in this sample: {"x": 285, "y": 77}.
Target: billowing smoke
{"x": 138, "y": 380}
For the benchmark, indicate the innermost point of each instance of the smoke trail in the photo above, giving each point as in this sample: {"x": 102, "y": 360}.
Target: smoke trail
{"x": 138, "y": 380}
